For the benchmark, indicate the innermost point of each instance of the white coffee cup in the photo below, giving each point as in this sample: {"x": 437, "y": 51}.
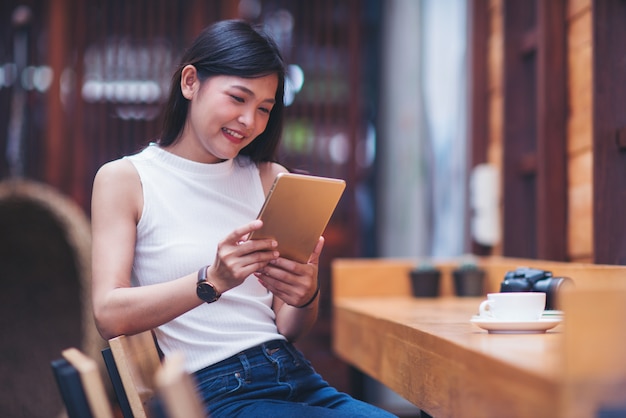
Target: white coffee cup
{"x": 513, "y": 306}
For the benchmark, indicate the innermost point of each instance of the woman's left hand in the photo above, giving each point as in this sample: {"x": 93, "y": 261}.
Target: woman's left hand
{"x": 292, "y": 282}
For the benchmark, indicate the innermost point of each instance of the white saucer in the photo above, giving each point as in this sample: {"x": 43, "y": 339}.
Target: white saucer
{"x": 495, "y": 326}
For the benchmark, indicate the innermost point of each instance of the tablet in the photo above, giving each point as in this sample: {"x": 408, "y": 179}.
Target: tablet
{"x": 296, "y": 212}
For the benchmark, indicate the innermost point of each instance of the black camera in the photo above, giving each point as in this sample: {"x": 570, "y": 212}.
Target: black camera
{"x": 525, "y": 279}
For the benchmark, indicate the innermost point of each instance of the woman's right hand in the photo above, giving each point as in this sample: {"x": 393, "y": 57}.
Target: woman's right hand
{"x": 238, "y": 257}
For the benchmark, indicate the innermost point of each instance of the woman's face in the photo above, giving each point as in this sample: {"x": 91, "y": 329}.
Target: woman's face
{"x": 226, "y": 113}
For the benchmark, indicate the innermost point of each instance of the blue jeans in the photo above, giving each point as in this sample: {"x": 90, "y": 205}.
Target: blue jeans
{"x": 274, "y": 380}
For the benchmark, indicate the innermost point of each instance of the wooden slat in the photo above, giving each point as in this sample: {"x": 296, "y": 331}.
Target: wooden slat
{"x": 579, "y": 71}
{"x": 576, "y": 7}
{"x": 551, "y": 86}
{"x": 580, "y": 207}
{"x": 92, "y": 382}
{"x": 609, "y": 98}
{"x": 495, "y": 47}
{"x": 496, "y": 97}
{"x": 479, "y": 95}
{"x": 579, "y": 29}
{"x": 116, "y": 381}
{"x": 56, "y": 141}
{"x": 137, "y": 361}
{"x": 519, "y": 192}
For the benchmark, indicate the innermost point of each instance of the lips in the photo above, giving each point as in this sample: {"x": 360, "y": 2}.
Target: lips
{"x": 233, "y": 135}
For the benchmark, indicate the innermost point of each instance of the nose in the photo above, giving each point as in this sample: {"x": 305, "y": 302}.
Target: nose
{"x": 246, "y": 118}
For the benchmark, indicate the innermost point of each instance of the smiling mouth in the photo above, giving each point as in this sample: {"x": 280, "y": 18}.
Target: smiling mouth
{"x": 232, "y": 133}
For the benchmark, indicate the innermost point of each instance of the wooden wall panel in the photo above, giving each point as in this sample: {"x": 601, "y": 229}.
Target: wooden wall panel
{"x": 609, "y": 125}
{"x": 479, "y": 100}
{"x": 495, "y": 79}
{"x": 579, "y": 83}
{"x": 551, "y": 131}
{"x": 579, "y": 123}
{"x": 575, "y": 7}
{"x": 520, "y": 174}
{"x": 579, "y": 119}
{"x": 580, "y": 131}
{"x": 495, "y": 56}
{"x": 494, "y": 153}
{"x": 580, "y": 225}
{"x": 579, "y": 25}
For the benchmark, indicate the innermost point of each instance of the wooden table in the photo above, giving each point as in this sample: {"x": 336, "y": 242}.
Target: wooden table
{"x": 429, "y": 351}
{"x": 426, "y": 350}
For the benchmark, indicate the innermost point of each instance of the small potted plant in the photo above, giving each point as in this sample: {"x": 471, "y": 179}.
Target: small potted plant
{"x": 469, "y": 280}
{"x": 425, "y": 280}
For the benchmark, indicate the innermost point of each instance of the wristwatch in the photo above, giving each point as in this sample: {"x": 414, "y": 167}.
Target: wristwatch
{"x": 204, "y": 289}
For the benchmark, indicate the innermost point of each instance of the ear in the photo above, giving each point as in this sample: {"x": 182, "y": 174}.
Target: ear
{"x": 189, "y": 81}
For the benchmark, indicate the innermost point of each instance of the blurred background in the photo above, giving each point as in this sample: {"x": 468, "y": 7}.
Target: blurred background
{"x": 460, "y": 126}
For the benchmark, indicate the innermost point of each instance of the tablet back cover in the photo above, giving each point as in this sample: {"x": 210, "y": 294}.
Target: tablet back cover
{"x": 296, "y": 212}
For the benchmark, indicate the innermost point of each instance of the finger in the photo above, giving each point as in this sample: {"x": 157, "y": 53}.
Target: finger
{"x": 315, "y": 255}
{"x": 245, "y": 268}
{"x": 288, "y": 290}
{"x": 275, "y": 284}
{"x": 241, "y": 233}
{"x": 285, "y": 269}
{"x": 251, "y": 246}
{"x": 274, "y": 271}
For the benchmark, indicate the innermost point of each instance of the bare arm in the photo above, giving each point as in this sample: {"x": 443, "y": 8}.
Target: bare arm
{"x": 121, "y": 309}
{"x": 118, "y": 308}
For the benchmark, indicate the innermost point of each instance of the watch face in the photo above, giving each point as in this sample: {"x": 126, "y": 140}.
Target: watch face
{"x": 206, "y": 292}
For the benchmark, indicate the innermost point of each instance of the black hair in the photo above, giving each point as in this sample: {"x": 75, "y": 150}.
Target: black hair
{"x": 234, "y": 48}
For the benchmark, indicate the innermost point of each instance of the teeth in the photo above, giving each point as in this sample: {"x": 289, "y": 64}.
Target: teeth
{"x": 233, "y": 133}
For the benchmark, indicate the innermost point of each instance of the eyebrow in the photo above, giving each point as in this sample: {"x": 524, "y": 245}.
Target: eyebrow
{"x": 251, "y": 93}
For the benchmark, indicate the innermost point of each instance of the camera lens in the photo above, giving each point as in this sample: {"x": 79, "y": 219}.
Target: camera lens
{"x": 551, "y": 286}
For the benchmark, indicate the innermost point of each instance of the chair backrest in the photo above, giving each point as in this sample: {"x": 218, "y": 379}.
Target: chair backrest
{"x": 116, "y": 381}
{"x": 137, "y": 360}
{"x": 177, "y": 390}
{"x": 81, "y": 386}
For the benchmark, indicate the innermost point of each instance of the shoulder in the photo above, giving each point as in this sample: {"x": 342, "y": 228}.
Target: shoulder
{"x": 268, "y": 172}
{"x": 117, "y": 170}
{"x": 117, "y": 183}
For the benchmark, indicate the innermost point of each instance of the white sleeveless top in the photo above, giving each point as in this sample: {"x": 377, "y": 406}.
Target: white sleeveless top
{"x": 188, "y": 208}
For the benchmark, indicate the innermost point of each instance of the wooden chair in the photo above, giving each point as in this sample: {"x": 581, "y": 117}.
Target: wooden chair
{"x": 81, "y": 386}
{"x": 177, "y": 390}
{"x": 116, "y": 381}
{"x": 132, "y": 362}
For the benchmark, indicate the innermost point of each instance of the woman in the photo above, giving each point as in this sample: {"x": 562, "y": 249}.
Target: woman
{"x": 169, "y": 238}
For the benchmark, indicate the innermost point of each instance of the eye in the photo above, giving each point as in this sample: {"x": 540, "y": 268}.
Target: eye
{"x": 265, "y": 110}
{"x": 237, "y": 98}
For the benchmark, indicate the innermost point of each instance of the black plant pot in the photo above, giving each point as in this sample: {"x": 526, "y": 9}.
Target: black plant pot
{"x": 425, "y": 283}
{"x": 469, "y": 282}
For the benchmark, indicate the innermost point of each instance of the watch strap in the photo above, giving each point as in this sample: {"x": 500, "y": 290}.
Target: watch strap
{"x": 202, "y": 274}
